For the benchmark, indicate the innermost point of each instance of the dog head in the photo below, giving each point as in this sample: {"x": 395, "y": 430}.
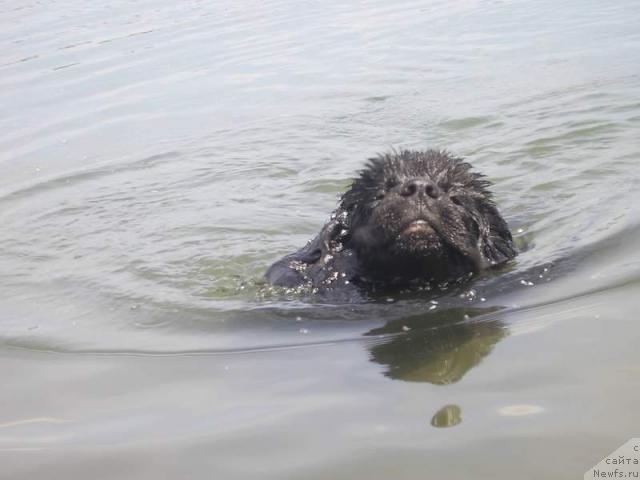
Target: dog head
{"x": 412, "y": 212}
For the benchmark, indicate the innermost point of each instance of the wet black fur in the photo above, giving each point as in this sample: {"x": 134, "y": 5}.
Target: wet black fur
{"x": 411, "y": 217}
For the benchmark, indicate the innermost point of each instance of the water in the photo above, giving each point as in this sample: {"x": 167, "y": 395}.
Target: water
{"x": 157, "y": 157}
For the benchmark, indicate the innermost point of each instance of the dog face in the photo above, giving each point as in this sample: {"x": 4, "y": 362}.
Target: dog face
{"x": 424, "y": 211}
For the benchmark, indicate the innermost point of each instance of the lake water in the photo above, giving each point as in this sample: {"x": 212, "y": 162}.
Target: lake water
{"x": 156, "y": 157}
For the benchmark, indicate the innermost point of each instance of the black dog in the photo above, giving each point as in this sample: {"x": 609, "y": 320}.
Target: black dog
{"x": 410, "y": 217}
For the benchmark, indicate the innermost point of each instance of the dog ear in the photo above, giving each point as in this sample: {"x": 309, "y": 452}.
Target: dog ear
{"x": 290, "y": 271}
{"x": 334, "y": 234}
{"x": 495, "y": 243}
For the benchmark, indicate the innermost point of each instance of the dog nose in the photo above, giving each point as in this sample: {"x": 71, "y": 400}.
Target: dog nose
{"x": 419, "y": 187}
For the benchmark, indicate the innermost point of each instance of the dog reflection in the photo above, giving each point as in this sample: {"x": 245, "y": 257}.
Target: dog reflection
{"x": 438, "y": 348}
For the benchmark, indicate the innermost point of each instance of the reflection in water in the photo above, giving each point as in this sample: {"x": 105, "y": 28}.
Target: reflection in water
{"x": 447, "y": 416}
{"x": 520, "y": 410}
{"x": 438, "y": 348}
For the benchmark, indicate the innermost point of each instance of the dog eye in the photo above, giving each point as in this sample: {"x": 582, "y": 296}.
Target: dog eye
{"x": 456, "y": 200}
{"x": 379, "y": 196}
{"x": 390, "y": 184}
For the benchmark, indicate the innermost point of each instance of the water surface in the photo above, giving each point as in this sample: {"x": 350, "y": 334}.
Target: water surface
{"x": 157, "y": 157}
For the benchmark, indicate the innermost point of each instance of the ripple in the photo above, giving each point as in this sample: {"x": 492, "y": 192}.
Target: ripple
{"x": 465, "y": 123}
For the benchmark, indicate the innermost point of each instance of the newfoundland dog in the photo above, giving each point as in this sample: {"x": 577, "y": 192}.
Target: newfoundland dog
{"x": 410, "y": 218}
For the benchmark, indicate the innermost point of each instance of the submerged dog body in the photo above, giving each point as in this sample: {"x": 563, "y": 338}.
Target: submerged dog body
{"x": 410, "y": 217}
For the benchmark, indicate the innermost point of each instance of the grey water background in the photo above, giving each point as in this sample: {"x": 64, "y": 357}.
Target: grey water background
{"x": 155, "y": 157}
